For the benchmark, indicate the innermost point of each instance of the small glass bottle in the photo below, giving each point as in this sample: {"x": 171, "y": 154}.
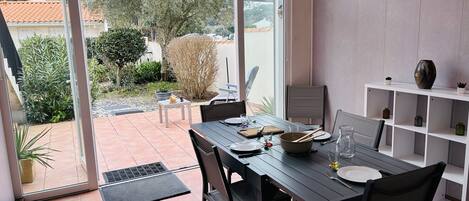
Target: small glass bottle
{"x": 345, "y": 144}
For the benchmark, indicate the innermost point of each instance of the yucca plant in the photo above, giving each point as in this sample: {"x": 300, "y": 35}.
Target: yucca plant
{"x": 27, "y": 148}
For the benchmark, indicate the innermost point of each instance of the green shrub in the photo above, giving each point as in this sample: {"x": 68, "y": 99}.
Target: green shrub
{"x": 148, "y": 72}
{"x": 119, "y": 48}
{"x": 98, "y": 72}
{"x": 45, "y": 83}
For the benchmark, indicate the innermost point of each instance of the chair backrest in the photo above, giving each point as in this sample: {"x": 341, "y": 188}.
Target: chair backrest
{"x": 367, "y": 131}
{"x": 251, "y": 78}
{"x": 210, "y": 166}
{"x": 306, "y": 102}
{"x": 222, "y": 111}
{"x": 417, "y": 185}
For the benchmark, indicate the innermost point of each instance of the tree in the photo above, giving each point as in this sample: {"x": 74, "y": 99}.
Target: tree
{"x": 119, "y": 47}
{"x": 163, "y": 19}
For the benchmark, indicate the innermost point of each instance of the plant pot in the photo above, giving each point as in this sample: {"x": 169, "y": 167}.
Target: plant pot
{"x": 27, "y": 171}
{"x": 461, "y": 90}
{"x": 161, "y": 96}
{"x": 387, "y": 82}
{"x": 425, "y": 74}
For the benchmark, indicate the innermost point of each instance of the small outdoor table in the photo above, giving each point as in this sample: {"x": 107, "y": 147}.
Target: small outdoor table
{"x": 165, "y": 105}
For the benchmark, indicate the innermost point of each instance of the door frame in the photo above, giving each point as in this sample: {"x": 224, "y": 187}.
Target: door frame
{"x": 280, "y": 64}
{"x": 78, "y": 57}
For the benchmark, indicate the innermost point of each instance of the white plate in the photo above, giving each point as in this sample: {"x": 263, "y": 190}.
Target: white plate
{"x": 359, "y": 174}
{"x": 234, "y": 121}
{"x": 247, "y": 146}
{"x": 326, "y": 135}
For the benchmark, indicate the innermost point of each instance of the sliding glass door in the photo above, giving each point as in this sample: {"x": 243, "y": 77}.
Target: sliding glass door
{"x": 263, "y": 56}
{"x": 50, "y": 139}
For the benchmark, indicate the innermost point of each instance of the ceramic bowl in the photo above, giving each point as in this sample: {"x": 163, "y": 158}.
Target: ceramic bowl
{"x": 286, "y": 141}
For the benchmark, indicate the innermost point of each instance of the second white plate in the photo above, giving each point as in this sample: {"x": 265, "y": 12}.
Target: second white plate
{"x": 359, "y": 174}
{"x": 234, "y": 121}
{"x": 247, "y": 146}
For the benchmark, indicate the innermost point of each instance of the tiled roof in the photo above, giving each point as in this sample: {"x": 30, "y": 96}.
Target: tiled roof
{"x": 40, "y": 12}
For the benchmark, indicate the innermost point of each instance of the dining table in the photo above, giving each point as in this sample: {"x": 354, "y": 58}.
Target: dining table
{"x": 303, "y": 176}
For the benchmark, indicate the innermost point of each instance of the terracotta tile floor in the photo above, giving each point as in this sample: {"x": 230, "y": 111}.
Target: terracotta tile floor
{"x": 121, "y": 141}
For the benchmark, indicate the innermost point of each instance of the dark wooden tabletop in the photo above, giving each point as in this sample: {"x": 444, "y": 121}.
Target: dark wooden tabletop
{"x": 302, "y": 176}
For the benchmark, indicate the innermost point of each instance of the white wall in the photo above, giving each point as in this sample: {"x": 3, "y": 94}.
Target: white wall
{"x": 259, "y": 52}
{"x": 6, "y": 190}
{"x": 19, "y": 33}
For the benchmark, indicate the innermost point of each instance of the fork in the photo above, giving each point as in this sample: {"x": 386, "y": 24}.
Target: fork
{"x": 338, "y": 180}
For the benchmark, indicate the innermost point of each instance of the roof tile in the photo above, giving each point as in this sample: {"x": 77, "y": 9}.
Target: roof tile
{"x": 40, "y": 12}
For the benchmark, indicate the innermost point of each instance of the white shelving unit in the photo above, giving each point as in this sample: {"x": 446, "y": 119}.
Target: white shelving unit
{"x": 441, "y": 109}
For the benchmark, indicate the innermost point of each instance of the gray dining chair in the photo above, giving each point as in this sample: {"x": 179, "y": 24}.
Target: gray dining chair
{"x": 367, "y": 131}
{"x": 222, "y": 111}
{"x": 212, "y": 174}
{"x": 418, "y": 185}
{"x": 306, "y": 102}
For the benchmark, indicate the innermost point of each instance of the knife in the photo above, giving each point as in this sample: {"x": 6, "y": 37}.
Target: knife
{"x": 327, "y": 142}
{"x": 249, "y": 155}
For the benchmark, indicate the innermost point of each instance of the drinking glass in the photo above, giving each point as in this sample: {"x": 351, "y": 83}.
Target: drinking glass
{"x": 345, "y": 144}
{"x": 333, "y": 156}
{"x": 244, "y": 120}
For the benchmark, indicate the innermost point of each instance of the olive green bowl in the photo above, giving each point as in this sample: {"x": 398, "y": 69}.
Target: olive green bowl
{"x": 286, "y": 141}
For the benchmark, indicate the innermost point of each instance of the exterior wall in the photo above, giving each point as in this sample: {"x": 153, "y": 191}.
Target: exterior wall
{"x": 19, "y": 33}
{"x": 259, "y": 52}
{"x": 360, "y": 41}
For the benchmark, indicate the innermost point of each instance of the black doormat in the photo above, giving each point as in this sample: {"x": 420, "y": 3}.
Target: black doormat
{"x": 124, "y": 174}
{"x": 142, "y": 183}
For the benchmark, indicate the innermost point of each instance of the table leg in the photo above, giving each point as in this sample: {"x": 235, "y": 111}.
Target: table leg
{"x": 161, "y": 113}
{"x": 189, "y": 114}
{"x": 166, "y": 117}
{"x": 183, "y": 113}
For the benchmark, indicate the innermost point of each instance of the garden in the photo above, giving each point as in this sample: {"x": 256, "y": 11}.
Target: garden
{"x": 116, "y": 71}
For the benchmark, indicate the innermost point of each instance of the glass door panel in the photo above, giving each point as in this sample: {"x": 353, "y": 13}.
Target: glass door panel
{"x": 43, "y": 99}
{"x": 263, "y": 71}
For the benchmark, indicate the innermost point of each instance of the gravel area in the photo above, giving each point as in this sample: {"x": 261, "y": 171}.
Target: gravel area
{"x": 107, "y": 107}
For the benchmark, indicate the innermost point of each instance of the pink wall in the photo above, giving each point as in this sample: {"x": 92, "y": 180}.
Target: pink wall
{"x": 360, "y": 41}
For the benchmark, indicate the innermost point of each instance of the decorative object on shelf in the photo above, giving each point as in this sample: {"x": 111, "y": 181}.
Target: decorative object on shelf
{"x": 387, "y": 80}
{"x": 386, "y": 113}
{"x": 425, "y": 74}
{"x": 460, "y": 129}
{"x": 418, "y": 121}
{"x": 461, "y": 88}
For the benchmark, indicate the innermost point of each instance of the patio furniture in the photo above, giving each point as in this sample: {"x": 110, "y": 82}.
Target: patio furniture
{"x": 230, "y": 93}
{"x": 213, "y": 175}
{"x": 367, "y": 131}
{"x": 419, "y": 185}
{"x": 306, "y": 102}
{"x": 222, "y": 111}
{"x": 165, "y": 105}
{"x": 304, "y": 177}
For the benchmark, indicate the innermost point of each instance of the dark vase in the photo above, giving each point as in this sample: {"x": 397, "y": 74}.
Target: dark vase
{"x": 460, "y": 129}
{"x": 386, "y": 113}
{"x": 418, "y": 121}
{"x": 425, "y": 74}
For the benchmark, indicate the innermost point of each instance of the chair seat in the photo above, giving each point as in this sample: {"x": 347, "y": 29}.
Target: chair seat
{"x": 241, "y": 191}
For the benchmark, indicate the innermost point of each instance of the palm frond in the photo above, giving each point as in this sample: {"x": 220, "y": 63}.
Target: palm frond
{"x": 27, "y": 148}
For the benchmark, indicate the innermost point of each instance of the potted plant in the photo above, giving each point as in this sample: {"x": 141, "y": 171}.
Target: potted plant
{"x": 162, "y": 93}
{"x": 461, "y": 88}
{"x": 387, "y": 80}
{"x": 28, "y": 151}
